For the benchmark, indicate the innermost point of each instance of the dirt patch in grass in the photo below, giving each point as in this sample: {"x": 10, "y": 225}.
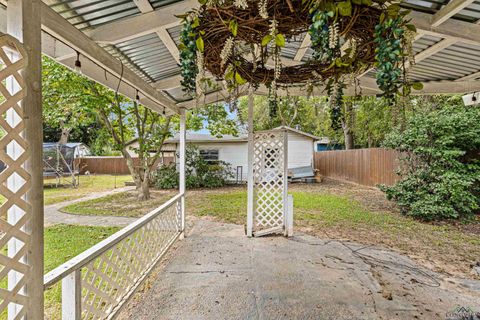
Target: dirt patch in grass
{"x": 124, "y": 204}
{"x": 346, "y": 211}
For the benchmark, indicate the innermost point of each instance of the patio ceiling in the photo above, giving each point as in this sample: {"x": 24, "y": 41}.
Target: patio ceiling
{"x": 136, "y": 40}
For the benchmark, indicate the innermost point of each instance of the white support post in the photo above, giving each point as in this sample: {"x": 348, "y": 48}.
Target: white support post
{"x": 72, "y": 296}
{"x": 289, "y": 222}
{"x": 23, "y": 22}
{"x": 285, "y": 181}
{"x": 183, "y": 130}
{"x": 250, "y": 181}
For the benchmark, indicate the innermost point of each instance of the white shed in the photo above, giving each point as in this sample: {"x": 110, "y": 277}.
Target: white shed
{"x": 234, "y": 150}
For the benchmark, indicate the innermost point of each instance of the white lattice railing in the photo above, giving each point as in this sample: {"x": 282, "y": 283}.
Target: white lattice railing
{"x": 97, "y": 283}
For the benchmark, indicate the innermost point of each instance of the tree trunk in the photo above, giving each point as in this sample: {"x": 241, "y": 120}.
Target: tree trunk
{"x": 144, "y": 191}
{"x": 348, "y": 137}
{"x": 140, "y": 177}
{"x": 347, "y": 123}
{"x": 65, "y": 135}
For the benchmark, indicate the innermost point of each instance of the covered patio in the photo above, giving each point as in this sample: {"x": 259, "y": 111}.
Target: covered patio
{"x": 218, "y": 273}
{"x": 131, "y": 46}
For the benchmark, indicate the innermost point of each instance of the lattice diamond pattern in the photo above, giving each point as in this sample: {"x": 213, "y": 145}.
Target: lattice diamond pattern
{"x": 109, "y": 280}
{"x": 14, "y": 179}
{"x": 268, "y": 172}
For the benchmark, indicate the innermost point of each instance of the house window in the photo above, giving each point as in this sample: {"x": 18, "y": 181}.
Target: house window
{"x": 210, "y": 156}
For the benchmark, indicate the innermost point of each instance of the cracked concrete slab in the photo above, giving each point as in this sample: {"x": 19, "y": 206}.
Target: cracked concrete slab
{"x": 218, "y": 273}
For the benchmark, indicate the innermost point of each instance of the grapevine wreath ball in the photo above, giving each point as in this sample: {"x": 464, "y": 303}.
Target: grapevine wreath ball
{"x": 240, "y": 41}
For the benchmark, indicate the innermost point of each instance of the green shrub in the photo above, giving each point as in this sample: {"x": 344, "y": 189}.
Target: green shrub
{"x": 199, "y": 173}
{"x": 439, "y": 164}
{"x": 166, "y": 177}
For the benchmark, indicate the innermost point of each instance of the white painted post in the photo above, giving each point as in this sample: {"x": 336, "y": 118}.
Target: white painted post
{"x": 250, "y": 180}
{"x": 72, "y": 296}
{"x": 23, "y": 22}
{"x": 182, "y": 167}
{"x": 285, "y": 181}
{"x": 289, "y": 225}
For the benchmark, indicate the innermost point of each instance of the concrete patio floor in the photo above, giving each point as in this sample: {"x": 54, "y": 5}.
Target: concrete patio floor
{"x": 218, "y": 273}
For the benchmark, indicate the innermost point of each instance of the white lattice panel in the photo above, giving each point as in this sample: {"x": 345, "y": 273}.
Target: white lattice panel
{"x": 269, "y": 183}
{"x": 14, "y": 180}
{"x": 111, "y": 278}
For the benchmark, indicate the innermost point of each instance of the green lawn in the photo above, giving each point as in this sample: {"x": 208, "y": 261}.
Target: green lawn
{"x": 124, "y": 204}
{"x": 328, "y": 213}
{"x": 88, "y": 184}
{"x": 63, "y": 242}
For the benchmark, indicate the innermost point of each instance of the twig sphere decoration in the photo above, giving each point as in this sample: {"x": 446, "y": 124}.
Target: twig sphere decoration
{"x": 240, "y": 41}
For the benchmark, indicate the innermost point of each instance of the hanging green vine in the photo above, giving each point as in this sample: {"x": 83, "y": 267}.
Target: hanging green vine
{"x": 188, "y": 56}
{"x": 239, "y": 42}
{"x": 390, "y": 54}
{"x": 320, "y": 35}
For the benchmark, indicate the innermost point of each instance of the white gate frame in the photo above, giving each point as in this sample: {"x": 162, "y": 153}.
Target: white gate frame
{"x": 254, "y": 228}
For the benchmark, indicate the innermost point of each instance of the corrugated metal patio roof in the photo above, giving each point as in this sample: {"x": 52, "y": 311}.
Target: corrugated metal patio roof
{"x": 151, "y": 50}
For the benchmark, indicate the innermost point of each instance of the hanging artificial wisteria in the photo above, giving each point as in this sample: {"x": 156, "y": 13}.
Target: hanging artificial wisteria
{"x": 240, "y": 41}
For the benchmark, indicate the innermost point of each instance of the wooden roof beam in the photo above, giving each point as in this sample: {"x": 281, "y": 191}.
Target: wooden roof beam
{"x": 145, "y": 7}
{"x": 449, "y": 10}
{"x": 61, "y": 29}
{"x": 461, "y": 31}
{"x": 302, "y": 50}
{"x": 137, "y": 26}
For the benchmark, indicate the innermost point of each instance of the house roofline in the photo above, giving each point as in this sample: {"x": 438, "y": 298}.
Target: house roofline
{"x": 297, "y": 131}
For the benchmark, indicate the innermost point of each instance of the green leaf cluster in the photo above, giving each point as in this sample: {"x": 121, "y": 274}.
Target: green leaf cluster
{"x": 189, "y": 42}
{"x": 199, "y": 173}
{"x": 440, "y": 164}
{"x": 319, "y": 34}
{"x": 388, "y": 37}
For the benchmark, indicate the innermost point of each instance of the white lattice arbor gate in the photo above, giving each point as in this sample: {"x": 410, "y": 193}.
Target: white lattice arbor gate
{"x": 270, "y": 201}
{"x": 18, "y": 234}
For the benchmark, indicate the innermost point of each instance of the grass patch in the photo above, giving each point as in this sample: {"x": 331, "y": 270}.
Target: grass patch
{"x": 124, "y": 204}
{"x": 63, "y": 242}
{"x": 229, "y": 207}
{"x": 88, "y": 184}
{"x": 443, "y": 247}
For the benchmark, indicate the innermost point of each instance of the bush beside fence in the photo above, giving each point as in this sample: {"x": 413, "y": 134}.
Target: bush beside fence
{"x": 368, "y": 167}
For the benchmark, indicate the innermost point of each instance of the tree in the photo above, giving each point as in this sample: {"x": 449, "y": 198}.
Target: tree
{"x": 125, "y": 119}
{"x": 66, "y": 104}
{"x": 440, "y": 162}
{"x": 216, "y": 118}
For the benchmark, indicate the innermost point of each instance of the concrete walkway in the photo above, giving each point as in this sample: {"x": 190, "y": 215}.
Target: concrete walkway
{"x": 218, "y": 273}
{"x": 54, "y": 216}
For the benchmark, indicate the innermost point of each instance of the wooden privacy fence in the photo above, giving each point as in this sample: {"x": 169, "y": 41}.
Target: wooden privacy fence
{"x": 110, "y": 165}
{"x": 368, "y": 167}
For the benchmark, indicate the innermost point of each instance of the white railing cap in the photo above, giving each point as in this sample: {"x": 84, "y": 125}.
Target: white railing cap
{"x": 88, "y": 255}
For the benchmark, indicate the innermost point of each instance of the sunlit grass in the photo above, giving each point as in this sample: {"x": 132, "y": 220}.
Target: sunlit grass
{"x": 88, "y": 184}
{"x": 124, "y": 204}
